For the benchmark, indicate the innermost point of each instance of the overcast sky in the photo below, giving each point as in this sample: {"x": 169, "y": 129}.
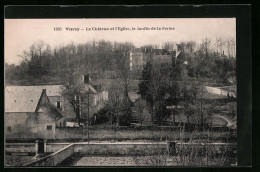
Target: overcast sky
{"x": 21, "y": 33}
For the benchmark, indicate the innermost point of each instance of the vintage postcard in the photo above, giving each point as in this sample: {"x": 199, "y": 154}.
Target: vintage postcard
{"x": 120, "y": 92}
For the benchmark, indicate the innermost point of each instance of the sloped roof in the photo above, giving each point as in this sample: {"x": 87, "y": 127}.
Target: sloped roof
{"x": 52, "y": 111}
{"x": 51, "y": 90}
{"x": 79, "y": 80}
{"x": 137, "y": 50}
{"x": 160, "y": 52}
{"x": 162, "y": 57}
{"x": 92, "y": 89}
{"x": 21, "y": 101}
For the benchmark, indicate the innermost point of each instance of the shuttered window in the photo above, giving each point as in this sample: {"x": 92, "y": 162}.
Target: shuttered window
{"x": 49, "y": 127}
{"x": 58, "y": 104}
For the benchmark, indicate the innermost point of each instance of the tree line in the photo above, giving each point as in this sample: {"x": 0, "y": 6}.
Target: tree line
{"x": 180, "y": 85}
{"x": 41, "y": 61}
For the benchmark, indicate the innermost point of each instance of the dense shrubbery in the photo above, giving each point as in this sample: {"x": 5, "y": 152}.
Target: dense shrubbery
{"x": 102, "y": 116}
{"x": 120, "y": 116}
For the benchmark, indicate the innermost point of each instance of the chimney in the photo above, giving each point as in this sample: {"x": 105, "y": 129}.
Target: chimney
{"x": 87, "y": 79}
{"x": 44, "y": 96}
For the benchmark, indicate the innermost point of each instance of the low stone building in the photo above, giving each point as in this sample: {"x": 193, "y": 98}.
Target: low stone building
{"x": 97, "y": 97}
{"x": 29, "y": 114}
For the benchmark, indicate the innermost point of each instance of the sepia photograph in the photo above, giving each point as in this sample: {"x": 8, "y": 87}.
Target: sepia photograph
{"x": 128, "y": 92}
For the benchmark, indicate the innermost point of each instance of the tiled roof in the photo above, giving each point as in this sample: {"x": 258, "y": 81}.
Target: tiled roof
{"x": 51, "y": 90}
{"x": 18, "y": 100}
{"x": 52, "y": 111}
{"x": 21, "y": 101}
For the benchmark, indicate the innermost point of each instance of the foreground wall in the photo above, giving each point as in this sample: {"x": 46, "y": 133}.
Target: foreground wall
{"x": 20, "y": 148}
{"x": 131, "y": 149}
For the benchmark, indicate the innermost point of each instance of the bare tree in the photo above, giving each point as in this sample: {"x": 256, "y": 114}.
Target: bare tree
{"x": 121, "y": 66}
{"x": 115, "y": 95}
{"x": 205, "y": 47}
{"x": 182, "y": 46}
{"x": 25, "y": 56}
{"x": 169, "y": 46}
{"x": 218, "y": 45}
{"x": 231, "y": 47}
{"x": 74, "y": 91}
{"x": 190, "y": 46}
{"x": 39, "y": 46}
{"x": 157, "y": 88}
{"x": 140, "y": 105}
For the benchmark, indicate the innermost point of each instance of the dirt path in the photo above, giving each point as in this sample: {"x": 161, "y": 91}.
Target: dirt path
{"x": 229, "y": 123}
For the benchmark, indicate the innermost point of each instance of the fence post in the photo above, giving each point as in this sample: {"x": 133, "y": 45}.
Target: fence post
{"x": 36, "y": 147}
{"x": 45, "y": 146}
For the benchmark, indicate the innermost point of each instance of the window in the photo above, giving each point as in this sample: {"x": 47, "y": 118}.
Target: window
{"x": 86, "y": 79}
{"x": 58, "y": 105}
{"x": 9, "y": 129}
{"x": 94, "y": 101}
{"x": 49, "y": 127}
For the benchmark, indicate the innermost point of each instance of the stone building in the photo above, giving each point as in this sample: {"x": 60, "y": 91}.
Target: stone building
{"x": 29, "y": 114}
{"x": 97, "y": 98}
{"x": 137, "y": 59}
{"x": 140, "y": 56}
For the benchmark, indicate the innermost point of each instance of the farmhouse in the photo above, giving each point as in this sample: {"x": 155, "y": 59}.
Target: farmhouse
{"x": 97, "y": 97}
{"x": 29, "y": 114}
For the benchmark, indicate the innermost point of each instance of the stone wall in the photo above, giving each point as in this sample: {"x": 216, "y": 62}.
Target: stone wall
{"x": 55, "y": 158}
{"x": 20, "y": 125}
{"x": 44, "y": 120}
{"x": 54, "y": 147}
{"x": 68, "y": 133}
{"x": 20, "y": 147}
{"x": 129, "y": 149}
{"x": 29, "y": 125}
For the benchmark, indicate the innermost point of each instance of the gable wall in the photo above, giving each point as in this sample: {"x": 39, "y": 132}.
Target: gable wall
{"x": 23, "y": 125}
{"x": 44, "y": 120}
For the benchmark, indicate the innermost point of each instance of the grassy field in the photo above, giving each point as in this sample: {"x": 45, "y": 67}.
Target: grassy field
{"x": 137, "y": 134}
